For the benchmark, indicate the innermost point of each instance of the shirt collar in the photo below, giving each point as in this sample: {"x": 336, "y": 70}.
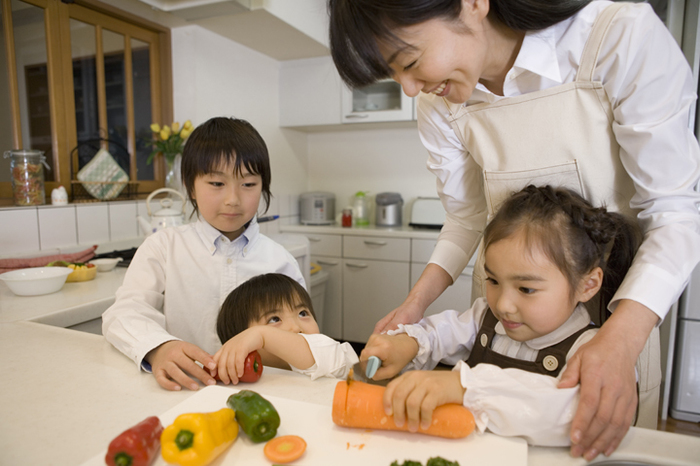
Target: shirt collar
{"x": 537, "y": 55}
{"x": 214, "y": 239}
{"x": 578, "y": 320}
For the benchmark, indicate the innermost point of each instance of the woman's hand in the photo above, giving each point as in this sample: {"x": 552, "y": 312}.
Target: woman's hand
{"x": 608, "y": 385}
{"x": 174, "y": 363}
{"x": 432, "y": 282}
{"x": 395, "y": 351}
{"x": 231, "y": 357}
{"x": 414, "y": 396}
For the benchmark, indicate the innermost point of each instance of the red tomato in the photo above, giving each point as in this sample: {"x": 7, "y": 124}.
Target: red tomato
{"x": 253, "y": 368}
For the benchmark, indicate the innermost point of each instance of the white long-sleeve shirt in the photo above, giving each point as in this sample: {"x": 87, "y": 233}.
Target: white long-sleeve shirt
{"x": 507, "y": 402}
{"x": 332, "y": 358}
{"x": 178, "y": 280}
{"x": 650, "y": 86}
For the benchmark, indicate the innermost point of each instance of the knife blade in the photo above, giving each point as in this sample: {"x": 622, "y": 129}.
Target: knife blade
{"x": 358, "y": 373}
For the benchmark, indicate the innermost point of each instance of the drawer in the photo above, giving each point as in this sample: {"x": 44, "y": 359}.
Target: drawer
{"x": 325, "y": 245}
{"x": 422, "y": 249}
{"x": 378, "y": 248}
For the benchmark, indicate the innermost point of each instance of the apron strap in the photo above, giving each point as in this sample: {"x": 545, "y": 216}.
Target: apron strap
{"x": 591, "y": 50}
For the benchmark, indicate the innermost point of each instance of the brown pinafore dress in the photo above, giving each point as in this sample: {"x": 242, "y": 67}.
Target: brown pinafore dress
{"x": 560, "y": 136}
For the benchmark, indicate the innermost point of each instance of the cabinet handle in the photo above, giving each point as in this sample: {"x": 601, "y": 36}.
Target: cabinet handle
{"x": 357, "y": 266}
{"x": 356, "y": 115}
{"x": 327, "y": 262}
{"x": 313, "y": 239}
{"x": 375, "y": 243}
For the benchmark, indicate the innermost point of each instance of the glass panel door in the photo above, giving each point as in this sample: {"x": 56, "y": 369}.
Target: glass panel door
{"x": 141, "y": 78}
{"x": 6, "y": 137}
{"x": 29, "y": 34}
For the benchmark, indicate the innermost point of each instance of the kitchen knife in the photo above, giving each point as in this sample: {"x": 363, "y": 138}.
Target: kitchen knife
{"x": 359, "y": 373}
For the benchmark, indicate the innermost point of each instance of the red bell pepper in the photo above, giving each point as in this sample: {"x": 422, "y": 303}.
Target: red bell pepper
{"x": 136, "y": 446}
{"x": 252, "y": 370}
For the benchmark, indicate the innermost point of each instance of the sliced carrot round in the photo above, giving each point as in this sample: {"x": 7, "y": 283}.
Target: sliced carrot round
{"x": 285, "y": 449}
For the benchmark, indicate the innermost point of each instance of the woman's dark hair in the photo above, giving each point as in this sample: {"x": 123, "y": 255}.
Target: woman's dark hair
{"x": 576, "y": 236}
{"x": 357, "y": 26}
{"x": 220, "y": 141}
{"x": 253, "y": 298}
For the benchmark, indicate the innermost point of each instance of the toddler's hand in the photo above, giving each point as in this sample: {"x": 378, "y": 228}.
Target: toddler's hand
{"x": 175, "y": 361}
{"x": 230, "y": 358}
{"x": 414, "y": 396}
{"x": 395, "y": 351}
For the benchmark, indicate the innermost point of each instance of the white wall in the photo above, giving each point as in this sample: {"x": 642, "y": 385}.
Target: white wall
{"x": 214, "y": 76}
{"x": 375, "y": 160}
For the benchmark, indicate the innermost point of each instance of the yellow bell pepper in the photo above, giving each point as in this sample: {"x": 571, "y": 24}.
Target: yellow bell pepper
{"x": 196, "y": 439}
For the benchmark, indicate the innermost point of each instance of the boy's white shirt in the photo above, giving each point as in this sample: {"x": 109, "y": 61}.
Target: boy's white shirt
{"x": 332, "y": 358}
{"x": 178, "y": 280}
{"x": 508, "y": 402}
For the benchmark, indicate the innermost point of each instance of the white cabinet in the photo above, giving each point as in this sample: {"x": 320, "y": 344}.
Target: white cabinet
{"x": 326, "y": 250}
{"x": 375, "y": 281}
{"x": 458, "y": 295}
{"x": 309, "y": 93}
{"x": 370, "y": 290}
{"x": 382, "y": 101}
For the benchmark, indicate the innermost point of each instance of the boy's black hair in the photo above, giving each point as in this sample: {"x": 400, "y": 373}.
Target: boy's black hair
{"x": 256, "y": 296}
{"x": 220, "y": 141}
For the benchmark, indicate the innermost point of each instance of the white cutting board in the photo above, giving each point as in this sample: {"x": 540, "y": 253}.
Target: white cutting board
{"x": 328, "y": 444}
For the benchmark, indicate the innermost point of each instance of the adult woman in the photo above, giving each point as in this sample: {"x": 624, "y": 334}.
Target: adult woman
{"x": 591, "y": 96}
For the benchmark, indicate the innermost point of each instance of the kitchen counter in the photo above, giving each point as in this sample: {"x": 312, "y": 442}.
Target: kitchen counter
{"x": 69, "y": 393}
{"x": 75, "y": 303}
{"x": 371, "y": 230}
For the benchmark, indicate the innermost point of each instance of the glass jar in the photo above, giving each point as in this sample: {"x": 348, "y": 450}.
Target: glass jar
{"x": 360, "y": 209}
{"x": 27, "y": 171}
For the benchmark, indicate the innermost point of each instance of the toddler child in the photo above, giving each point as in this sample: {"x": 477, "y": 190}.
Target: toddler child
{"x": 547, "y": 251}
{"x": 273, "y": 314}
{"x": 164, "y": 317}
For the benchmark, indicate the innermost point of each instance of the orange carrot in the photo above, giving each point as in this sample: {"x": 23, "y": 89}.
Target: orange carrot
{"x": 360, "y": 405}
{"x": 285, "y": 449}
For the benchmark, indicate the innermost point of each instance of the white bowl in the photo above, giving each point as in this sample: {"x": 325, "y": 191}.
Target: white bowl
{"x": 106, "y": 264}
{"x": 36, "y": 281}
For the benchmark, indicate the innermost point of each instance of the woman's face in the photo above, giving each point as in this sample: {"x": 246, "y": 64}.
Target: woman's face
{"x": 448, "y": 58}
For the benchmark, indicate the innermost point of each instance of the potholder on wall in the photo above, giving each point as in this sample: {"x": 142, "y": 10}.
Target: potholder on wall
{"x": 104, "y": 170}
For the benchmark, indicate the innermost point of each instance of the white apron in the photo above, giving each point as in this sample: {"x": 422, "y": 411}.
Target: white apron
{"x": 560, "y": 136}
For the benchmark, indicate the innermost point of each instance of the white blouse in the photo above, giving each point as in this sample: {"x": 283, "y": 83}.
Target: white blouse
{"x": 178, "y": 280}
{"x": 332, "y": 358}
{"x": 651, "y": 89}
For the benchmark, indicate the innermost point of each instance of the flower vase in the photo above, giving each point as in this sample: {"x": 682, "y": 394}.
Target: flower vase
{"x": 173, "y": 174}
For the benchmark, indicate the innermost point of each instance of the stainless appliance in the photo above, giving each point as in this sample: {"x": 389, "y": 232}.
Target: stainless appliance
{"x": 317, "y": 208}
{"x": 427, "y": 212}
{"x": 389, "y": 208}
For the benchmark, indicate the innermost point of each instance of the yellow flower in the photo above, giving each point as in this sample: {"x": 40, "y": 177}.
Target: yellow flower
{"x": 175, "y": 126}
{"x": 155, "y": 127}
{"x": 164, "y": 134}
{"x": 185, "y": 133}
{"x": 187, "y": 125}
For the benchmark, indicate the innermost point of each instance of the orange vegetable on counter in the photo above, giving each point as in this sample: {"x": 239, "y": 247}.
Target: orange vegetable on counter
{"x": 285, "y": 449}
{"x": 357, "y": 404}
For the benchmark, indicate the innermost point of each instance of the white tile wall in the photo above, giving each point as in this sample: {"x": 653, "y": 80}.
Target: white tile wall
{"x": 28, "y": 231}
{"x": 93, "y": 223}
{"x": 57, "y": 227}
{"x": 122, "y": 220}
{"x": 19, "y": 231}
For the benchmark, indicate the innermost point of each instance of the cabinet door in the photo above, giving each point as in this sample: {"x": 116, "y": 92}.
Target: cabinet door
{"x": 309, "y": 93}
{"x": 333, "y": 302}
{"x": 382, "y": 101}
{"x": 378, "y": 248}
{"x": 325, "y": 245}
{"x": 457, "y": 296}
{"x": 371, "y": 289}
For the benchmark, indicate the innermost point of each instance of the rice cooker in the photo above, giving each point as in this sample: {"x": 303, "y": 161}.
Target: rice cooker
{"x": 388, "y": 211}
{"x": 317, "y": 208}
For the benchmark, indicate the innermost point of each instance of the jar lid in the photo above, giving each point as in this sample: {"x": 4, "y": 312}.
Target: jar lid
{"x": 25, "y": 153}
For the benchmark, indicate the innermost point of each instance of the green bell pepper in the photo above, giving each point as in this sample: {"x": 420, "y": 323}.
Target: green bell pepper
{"x": 256, "y": 416}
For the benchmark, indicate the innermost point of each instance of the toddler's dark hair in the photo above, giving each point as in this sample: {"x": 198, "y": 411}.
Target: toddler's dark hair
{"x": 576, "y": 236}
{"x": 256, "y": 296}
{"x": 220, "y": 141}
